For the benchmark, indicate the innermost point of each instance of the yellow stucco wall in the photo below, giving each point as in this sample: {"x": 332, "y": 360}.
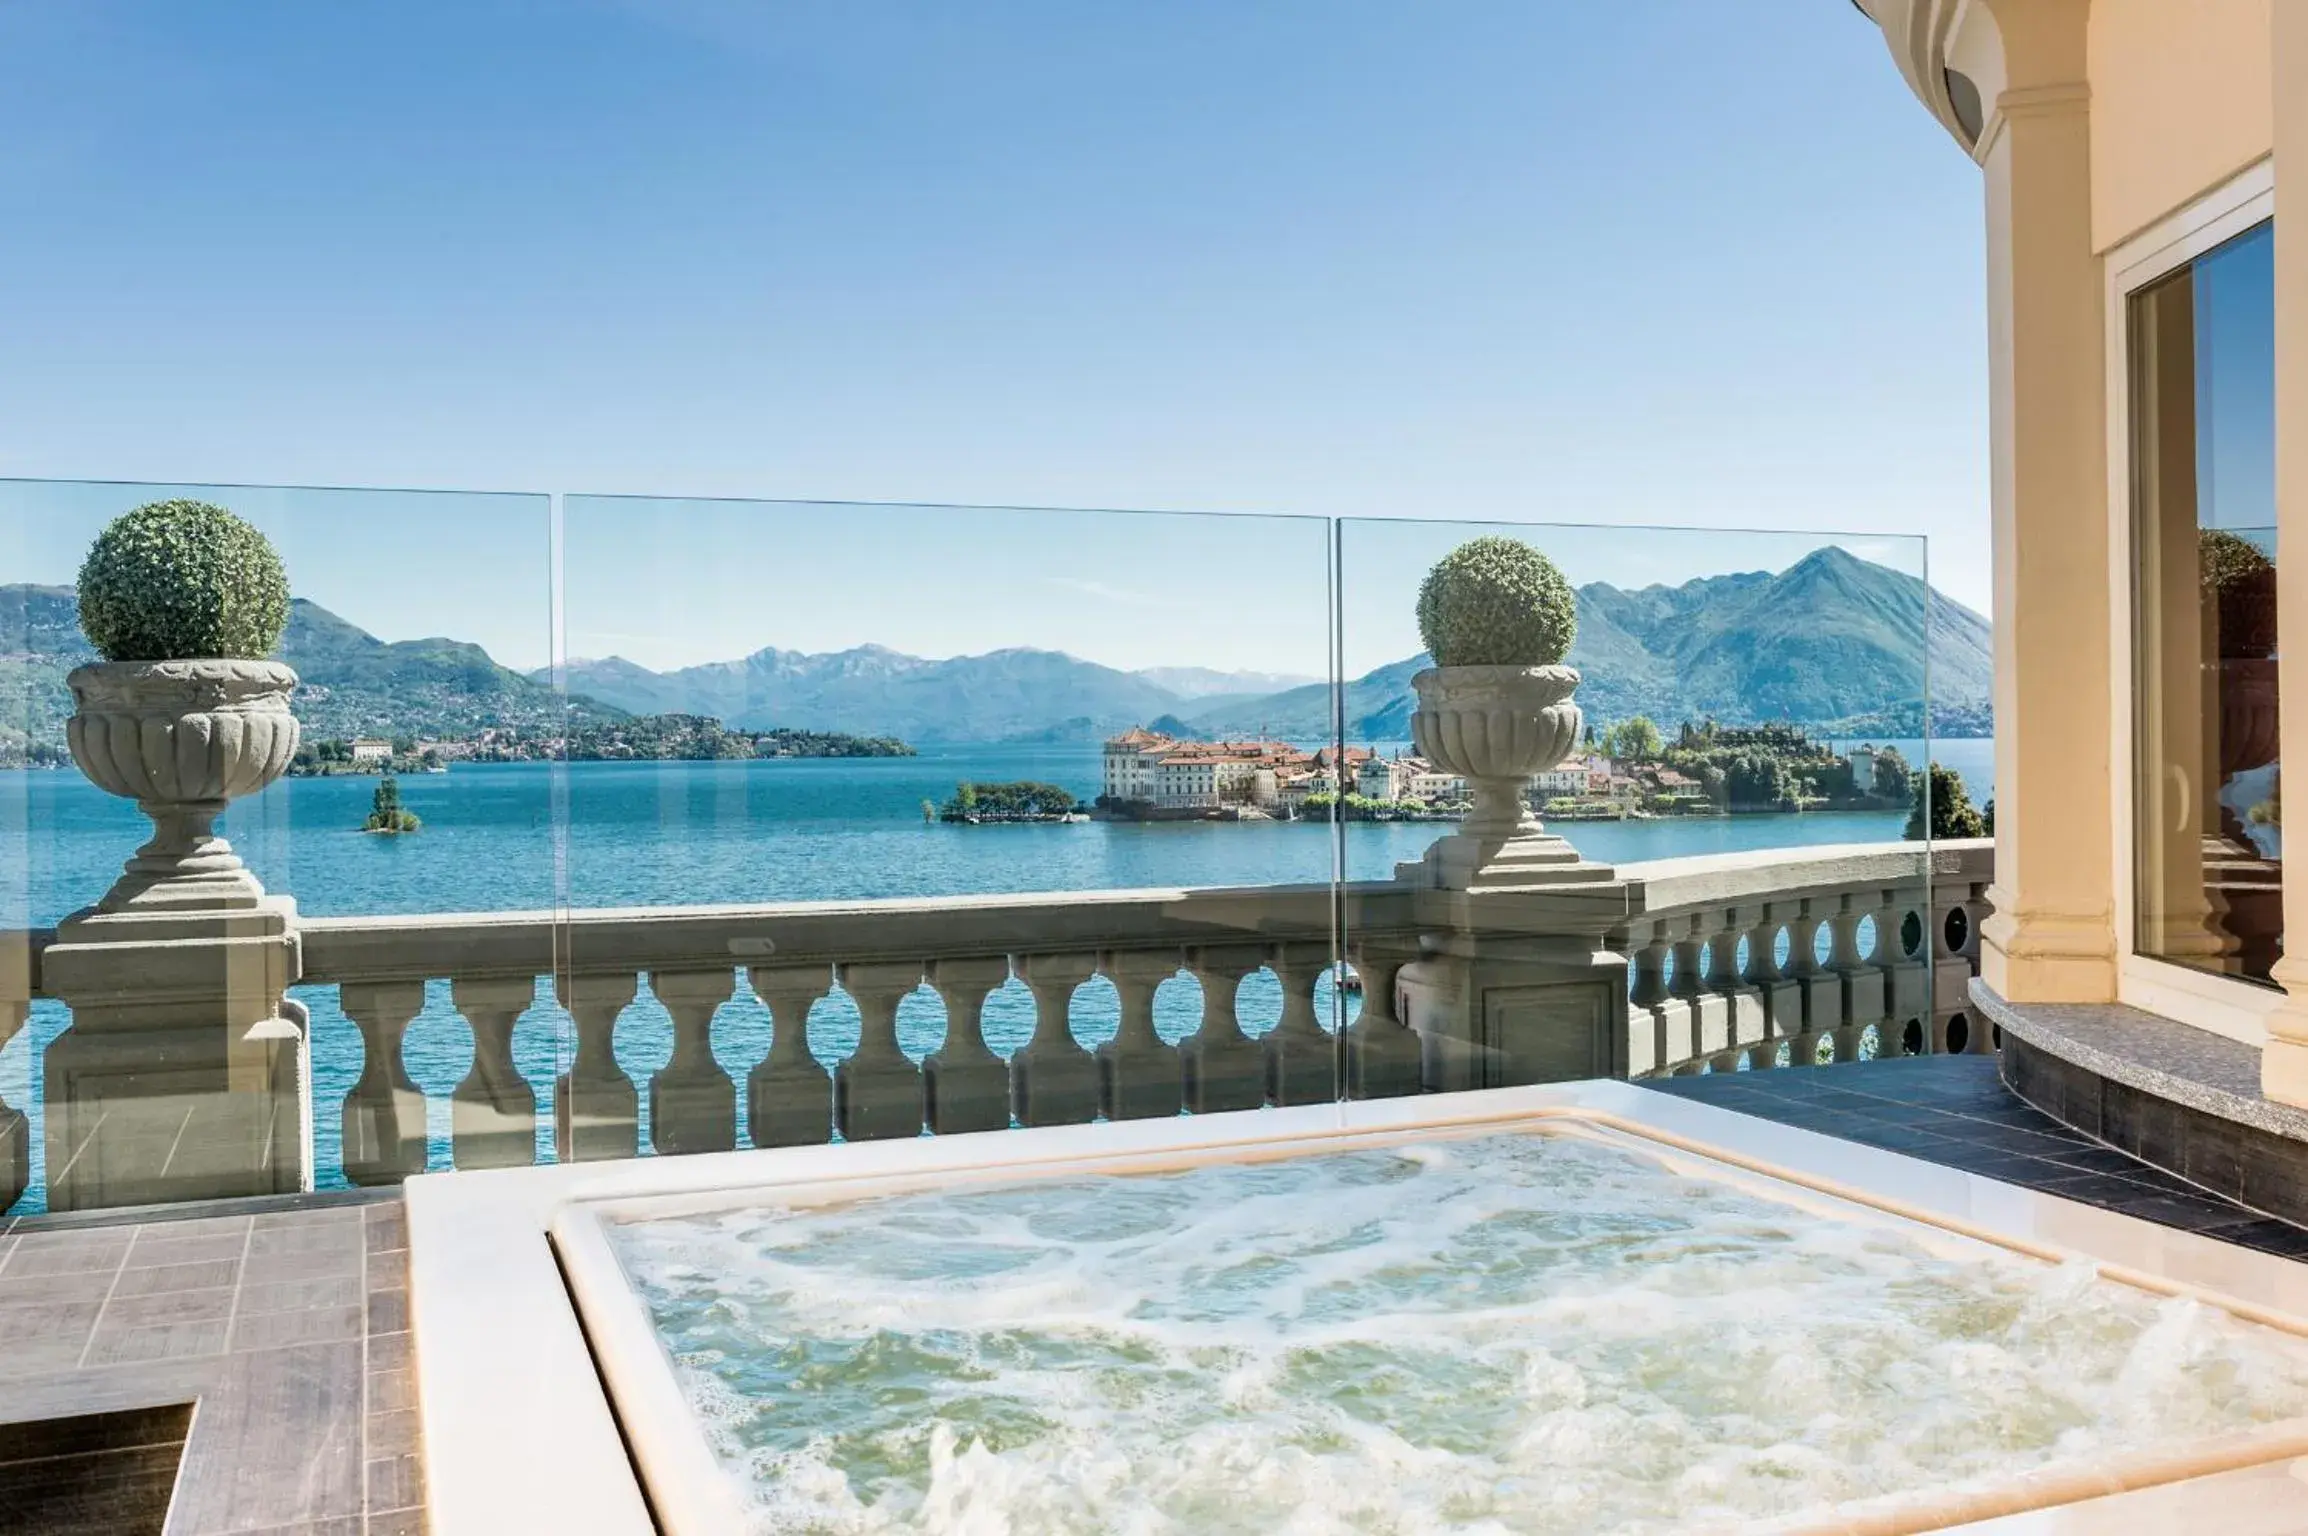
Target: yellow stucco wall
{"x": 2180, "y": 101}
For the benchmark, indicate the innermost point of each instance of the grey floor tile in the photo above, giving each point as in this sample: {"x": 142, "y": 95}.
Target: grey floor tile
{"x": 342, "y": 1213}
{"x": 391, "y": 1391}
{"x": 48, "y": 1319}
{"x": 33, "y": 1257}
{"x": 293, "y": 1295}
{"x": 151, "y": 1281}
{"x": 395, "y": 1481}
{"x": 332, "y": 1237}
{"x": 268, "y": 1268}
{"x": 34, "y": 1289}
{"x": 46, "y": 1355}
{"x": 276, "y": 1442}
{"x": 167, "y": 1307}
{"x": 312, "y": 1325}
{"x": 389, "y": 1352}
{"x": 107, "y": 1389}
{"x": 398, "y": 1522}
{"x": 388, "y": 1311}
{"x": 156, "y": 1246}
{"x": 387, "y": 1233}
{"x": 392, "y": 1434}
{"x": 157, "y": 1341}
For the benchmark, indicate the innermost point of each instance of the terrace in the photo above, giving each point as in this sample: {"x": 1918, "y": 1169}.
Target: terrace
{"x": 325, "y": 1200}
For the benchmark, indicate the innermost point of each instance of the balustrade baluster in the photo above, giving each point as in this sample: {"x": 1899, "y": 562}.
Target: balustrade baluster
{"x": 1301, "y": 1056}
{"x": 1053, "y": 1081}
{"x": 15, "y": 1125}
{"x": 1782, "y": 998}
{"x": 965, "y": 1086}
{"x": 1704, "y": 1019}
{"x": 596, "y": 1109}
{"x": 789, "y": 1094}
{"x": 1906, "y": 978}
{"x": 1138, "y": 1073}
{"x": 1382, "y": 1052}
{"x": 1742, "y": 1004}
{"x": 384, "y": 1112}
{"x": 493, "y": 1112}
{"x": 1817, "y": 998}
{"x": 877, "y": 1092}
{"x": 1221, "y": 1068}
{"x": 692, "y": 1102}
{"x": 1951, "y": 973}
{"x": 1648, "y": 1048}
{"x": 1860, "y": 984}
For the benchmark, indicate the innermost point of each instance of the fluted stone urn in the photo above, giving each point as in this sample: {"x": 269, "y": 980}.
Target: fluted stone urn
{"x": 183, "y": 739}
{"x": 1495, "y": 727}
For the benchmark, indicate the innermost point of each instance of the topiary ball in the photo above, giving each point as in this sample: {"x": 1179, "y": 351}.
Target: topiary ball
{"x": 176, "y": 580}
{"x": 2240, "y": 581}
{"x": 1496, "y": 602}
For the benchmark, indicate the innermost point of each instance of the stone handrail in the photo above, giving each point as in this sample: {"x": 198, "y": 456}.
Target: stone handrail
{"x": 1711, "y": 963}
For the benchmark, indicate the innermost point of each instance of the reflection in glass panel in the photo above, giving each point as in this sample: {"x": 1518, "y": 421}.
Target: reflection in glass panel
{"x": 2208, "y": 836}
{"x": 1064, "y": 756}
{"x": 1619, "y": 852}
{"x": 414, "y": 623}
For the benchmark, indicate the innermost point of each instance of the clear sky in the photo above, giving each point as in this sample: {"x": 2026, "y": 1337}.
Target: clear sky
{"x": 1656, "y": 262}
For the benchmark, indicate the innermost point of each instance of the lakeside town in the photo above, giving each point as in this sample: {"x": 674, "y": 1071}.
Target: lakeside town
{"x": 1630, "y": 771}
{"x": 641, "y": 738}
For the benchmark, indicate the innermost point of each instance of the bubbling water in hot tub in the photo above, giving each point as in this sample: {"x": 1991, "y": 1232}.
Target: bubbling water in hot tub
{"x": 1513, "y": 1333}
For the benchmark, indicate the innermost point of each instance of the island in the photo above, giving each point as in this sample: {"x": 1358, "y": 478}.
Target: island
{"x": 386, "y": 813}
{"x": 1021, "y": 800}
{"x": 1629, "y": 771}
{"x": 639, "y": 738}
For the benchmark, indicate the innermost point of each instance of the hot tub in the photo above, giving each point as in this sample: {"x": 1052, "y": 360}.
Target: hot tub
{"x": 1552, "y": 1310}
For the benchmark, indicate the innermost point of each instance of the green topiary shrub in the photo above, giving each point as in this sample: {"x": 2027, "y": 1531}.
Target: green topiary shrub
{"x": 174, "y": 580}
{"x": 2240, "y": 582}
{"x": 1496, "y": 602}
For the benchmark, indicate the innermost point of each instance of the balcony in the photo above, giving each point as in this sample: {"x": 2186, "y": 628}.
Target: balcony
{"x": 320, "y": 1146}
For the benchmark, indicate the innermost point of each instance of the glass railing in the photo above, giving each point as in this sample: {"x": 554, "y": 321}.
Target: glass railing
{"x": 753, "y": 823}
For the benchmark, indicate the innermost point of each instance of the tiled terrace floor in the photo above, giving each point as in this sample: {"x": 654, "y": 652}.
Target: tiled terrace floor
{"x": 1955, "y": 1110}
{"x": 289, "y": 1327}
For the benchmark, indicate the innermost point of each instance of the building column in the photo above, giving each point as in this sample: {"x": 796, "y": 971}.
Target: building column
{"x": 2284, "y": 1059}
{"x": 2052, "y": 938}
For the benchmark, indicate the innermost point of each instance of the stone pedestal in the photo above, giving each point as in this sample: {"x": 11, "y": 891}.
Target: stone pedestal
{"x": 1502, "y": 996}
{"x": 182, "y": 1075}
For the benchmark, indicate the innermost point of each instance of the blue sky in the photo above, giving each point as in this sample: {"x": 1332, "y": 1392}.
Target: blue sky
{"x": 1668, "y": 262}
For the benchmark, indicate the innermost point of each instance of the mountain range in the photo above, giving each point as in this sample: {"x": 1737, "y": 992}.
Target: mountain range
{"x": 1832, "y": 642}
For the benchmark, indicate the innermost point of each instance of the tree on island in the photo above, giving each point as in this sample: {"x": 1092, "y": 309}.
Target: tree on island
{"x": 1637, "y": 740}
{"x": 1951, "y": 811}
{"x": 1894, "y": 780}
{"x": 386, "y": 813}
{"x": 1024, "y": 799}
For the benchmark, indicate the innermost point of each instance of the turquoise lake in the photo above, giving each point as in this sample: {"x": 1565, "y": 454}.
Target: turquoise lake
{"x": 662, "y": 834}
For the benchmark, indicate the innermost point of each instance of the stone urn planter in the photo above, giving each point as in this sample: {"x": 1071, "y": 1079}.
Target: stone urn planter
{"x": 183, "y": 739}
{"x": 1496, "y": 709}
{"x": 1495, "y": 727}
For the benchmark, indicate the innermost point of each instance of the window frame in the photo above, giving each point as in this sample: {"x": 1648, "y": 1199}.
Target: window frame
{"x": 2221, "y": 1005}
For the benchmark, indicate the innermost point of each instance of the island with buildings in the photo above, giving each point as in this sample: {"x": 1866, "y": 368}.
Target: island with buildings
{"x": 1628, "y": 771}
{"x": 638, "y": 738}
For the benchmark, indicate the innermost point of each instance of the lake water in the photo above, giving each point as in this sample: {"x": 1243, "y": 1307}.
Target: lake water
{"x": 658, "y": 834}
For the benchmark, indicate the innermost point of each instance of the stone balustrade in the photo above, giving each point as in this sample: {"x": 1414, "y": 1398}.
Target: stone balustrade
{"x": 1774, "y": 958}
{"x": 1736, "y": 961}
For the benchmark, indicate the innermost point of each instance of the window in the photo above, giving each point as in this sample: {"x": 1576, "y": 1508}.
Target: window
{"x": 2207, "y": 802}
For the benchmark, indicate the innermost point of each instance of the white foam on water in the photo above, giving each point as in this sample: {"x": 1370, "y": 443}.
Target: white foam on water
{"x": 1515, "y": 1333}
